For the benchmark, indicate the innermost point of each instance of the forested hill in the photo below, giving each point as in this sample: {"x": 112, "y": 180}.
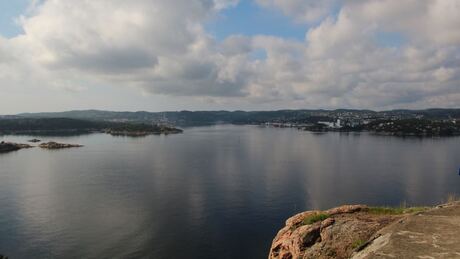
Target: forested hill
{"x": 48, "y": 125}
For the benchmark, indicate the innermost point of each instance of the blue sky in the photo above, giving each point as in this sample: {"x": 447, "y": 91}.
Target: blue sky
{"x": 248, "y": 18}
{"x": 10, "y": 10}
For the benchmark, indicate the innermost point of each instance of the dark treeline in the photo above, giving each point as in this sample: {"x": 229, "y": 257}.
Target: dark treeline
{"x": 30, "y": 125}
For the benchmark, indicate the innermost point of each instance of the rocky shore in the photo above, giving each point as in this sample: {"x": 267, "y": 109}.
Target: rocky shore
{"x": 55, "y": 145}
{"x": 9, "y": 146}
{"x": 361, "y": 232}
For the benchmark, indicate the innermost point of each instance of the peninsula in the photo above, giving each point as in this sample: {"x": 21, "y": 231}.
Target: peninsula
{"x": 69, "y": 126}
{"x": 9, "y": 146}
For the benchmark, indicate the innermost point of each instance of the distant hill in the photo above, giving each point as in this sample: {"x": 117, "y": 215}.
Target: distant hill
{"x": 197, "y": 118}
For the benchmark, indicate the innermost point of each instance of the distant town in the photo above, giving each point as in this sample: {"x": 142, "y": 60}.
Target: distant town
{"x": 403, "y": 123}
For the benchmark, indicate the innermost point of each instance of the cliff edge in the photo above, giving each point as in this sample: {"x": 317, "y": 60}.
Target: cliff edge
{"x": 362, "y": 232}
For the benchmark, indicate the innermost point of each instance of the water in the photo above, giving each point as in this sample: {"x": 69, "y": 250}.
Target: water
{"x": 212, "y": 192}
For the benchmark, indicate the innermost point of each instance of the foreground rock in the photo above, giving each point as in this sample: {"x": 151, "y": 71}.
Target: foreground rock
{"x": 55, "y": 145}
{"x": 431, "y": 234}
{"x": 8, "y": 146}
{"x": 335, "y": 233}
{"x": 357, "y": 231}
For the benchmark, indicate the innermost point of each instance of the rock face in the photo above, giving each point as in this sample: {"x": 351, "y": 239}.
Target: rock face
{"x": 8, "y": 146}
{"x": 360, "y": 232}
{"x": 337, "y": 233}
{"x": 55, "y": 145}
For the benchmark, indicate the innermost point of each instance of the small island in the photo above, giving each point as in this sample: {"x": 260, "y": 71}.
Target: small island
{"x": 55, "y": 145}
{"x": 9, "y": 146}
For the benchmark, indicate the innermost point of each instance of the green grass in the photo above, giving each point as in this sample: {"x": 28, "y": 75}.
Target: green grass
{"x": 315, "y": 218}
{"x": 357, "y": 244}
{"x": 395, "y": 211}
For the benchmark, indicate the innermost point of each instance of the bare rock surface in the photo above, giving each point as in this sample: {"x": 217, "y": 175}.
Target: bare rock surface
{"x": 431, "y": 234}
{"x": 55, "y": 145}
{"x": 359, "y": 232}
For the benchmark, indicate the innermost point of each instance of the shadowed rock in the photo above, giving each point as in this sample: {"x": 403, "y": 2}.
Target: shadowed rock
{"x": 9, "y": 146}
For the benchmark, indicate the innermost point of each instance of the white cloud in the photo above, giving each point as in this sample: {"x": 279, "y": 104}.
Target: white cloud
{"x": 161, "y": 47}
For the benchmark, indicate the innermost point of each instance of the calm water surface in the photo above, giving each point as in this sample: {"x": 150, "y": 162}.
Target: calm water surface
{"x": 212, "y": 192}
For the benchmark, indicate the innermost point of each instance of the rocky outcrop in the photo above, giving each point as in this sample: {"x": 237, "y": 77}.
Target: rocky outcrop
{"x": 34, "y": 140}
{"x": 334, "y": 233}
{"x": 8, "y": 146}
{"x": 360, "y": 232}
{"x": 55, "y": 145}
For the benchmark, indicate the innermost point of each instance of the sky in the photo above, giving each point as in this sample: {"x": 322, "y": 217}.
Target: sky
{"x": 167, "y": 55}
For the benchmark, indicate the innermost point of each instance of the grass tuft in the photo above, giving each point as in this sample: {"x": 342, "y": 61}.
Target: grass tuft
{"x": 358, "y": 244}
{"x": 395, "y": 211}
{"x": 315, "y": 218}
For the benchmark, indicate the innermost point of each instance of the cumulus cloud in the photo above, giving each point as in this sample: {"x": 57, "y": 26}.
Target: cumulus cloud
{"x": 158, "y": 45}
{"x": 162, "y": 47}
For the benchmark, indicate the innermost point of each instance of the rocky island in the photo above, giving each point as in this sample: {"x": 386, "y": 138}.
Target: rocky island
{"x": 362, "y": 232}
{"x": 8, "y": 146}
{"x": 55, "y": 145}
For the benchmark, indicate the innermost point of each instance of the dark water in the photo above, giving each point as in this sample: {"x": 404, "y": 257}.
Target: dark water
{"x": 212, "y": 192}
